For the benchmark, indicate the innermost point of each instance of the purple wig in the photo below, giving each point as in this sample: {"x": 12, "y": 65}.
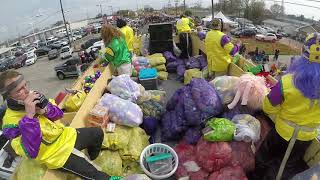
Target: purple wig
{"x": 306, "y": 77}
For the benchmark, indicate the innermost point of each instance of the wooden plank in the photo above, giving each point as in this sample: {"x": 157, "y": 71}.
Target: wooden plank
{"x": 91, "y": 100}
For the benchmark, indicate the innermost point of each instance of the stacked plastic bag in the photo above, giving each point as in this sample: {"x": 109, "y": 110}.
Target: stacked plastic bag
{"x": 195, "y": 65}
{"x": 124, "y": 87}
{"x": 208, "y": 160}
{"x": 158, "y": 61}
{"x": 121, "y": 151}
{"x": 188, "y": 109}
{"x": 140, "y": 63}
{"x": 122, "y": 111}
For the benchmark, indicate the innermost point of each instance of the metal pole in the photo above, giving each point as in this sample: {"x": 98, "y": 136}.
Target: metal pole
{"x": 65, "y": 24}
{"x": 212, "y": 10}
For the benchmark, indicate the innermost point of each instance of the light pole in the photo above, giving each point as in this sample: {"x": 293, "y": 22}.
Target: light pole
{"x": 212, "y": 10}
{"x": 64, "y": 21}
{"x": 100, "y": 5}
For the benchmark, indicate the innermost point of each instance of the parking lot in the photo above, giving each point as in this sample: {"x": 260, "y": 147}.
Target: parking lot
{"x": 42, "y": 77}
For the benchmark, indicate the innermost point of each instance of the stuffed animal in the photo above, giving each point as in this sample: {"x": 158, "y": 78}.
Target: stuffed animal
{"x": 251, "y": 90}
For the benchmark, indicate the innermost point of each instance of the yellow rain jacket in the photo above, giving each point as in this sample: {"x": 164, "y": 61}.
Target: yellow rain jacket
{"x": 183, "y": 25}
{"x": 57, "y": 140}
{"x": 295, "y": 108}
{"x": 219, "y": 51}
{"x": 129, "y": 36}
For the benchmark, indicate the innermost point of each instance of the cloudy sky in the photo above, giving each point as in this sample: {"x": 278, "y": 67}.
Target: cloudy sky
{"x": 17, "y": 16}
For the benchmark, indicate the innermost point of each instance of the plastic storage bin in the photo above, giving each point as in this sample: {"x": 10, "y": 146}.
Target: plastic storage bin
{"x": 149, "y": 84}
{"x": 148, "y": 78}
{"x": 148, "y": 73}
{"x": 160, "y": 163}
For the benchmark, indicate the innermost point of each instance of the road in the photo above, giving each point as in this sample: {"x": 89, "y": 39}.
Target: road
{"x": 41, "y": 77}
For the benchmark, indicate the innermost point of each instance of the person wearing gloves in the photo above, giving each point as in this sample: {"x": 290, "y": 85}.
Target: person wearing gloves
{"x": 116, "y": 52}
{"x": 127, "y": 32}
{"x": 219, "y": 49}
{"x": 184, "y": 25}
{"x": 294, "y": 104}
{"x": 30, "y": 122}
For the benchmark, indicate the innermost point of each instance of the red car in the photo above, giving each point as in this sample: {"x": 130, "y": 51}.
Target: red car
{"x": 19, "y": 61}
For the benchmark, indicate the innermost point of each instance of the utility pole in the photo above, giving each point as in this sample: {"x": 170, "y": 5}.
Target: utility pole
{"x": 184, "y": 5}
{"x": 100, "y": 5}
{"x": 282, "y": 7}
{"x": 65, "y": 24}
{"x": 212, "y": 10}
{"x": 176, "y": 4}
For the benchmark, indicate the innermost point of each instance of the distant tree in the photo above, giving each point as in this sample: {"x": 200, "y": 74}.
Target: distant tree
{"x": 276, "y": 10}
{"x": 148, "y": 9}
{"x": 58, "y": 23}
{"x": 301, "y": 17}
{"x": 188, "y": 13}
{"x": 257, "y": 11}
{"x": 99, "y": 15}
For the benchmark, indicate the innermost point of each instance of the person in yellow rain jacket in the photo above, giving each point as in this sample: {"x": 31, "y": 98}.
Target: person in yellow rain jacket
{"x": 293, "y": 102}
{"x": 184, "y": 25}
{"x": 30, "y": 122}
{"x": 219, "y": 49}
{"x": 128, "y": 33}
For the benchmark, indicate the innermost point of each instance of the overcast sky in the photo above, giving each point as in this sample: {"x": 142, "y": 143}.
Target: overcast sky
{"x": 17, "y": 16}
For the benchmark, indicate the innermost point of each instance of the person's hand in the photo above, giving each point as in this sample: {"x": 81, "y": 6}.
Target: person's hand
{"x": 30, "y": 104}
{"x": 41, "y": 111}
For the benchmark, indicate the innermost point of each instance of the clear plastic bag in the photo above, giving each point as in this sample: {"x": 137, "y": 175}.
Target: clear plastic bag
{"x": 248, "y": 128}
{"x": 124, "y": 87}
{"x": 98, "y": 116}
{"x": 132, "y": 116}
{"x": 226, "y": 87}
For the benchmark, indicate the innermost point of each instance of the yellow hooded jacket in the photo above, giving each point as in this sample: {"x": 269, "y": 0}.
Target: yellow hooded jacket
{"x": 57, "y": 140}
{"x": 129, "y": 36}
{"x": 219, "y": 51}
{"x": 183, "y": 25}
{"x": 292, "y": 106}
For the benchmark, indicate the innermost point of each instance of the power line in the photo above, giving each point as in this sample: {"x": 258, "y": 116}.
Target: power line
{"x": 316, "y": 7}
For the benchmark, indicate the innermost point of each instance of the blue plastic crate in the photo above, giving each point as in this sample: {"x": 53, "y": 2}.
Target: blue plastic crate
{"x": 148, "y": 73}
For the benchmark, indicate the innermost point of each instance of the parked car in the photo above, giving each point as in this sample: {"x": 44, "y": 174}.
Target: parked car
{"x": 31, "y": 59}
{"x": 3, "y": 66}
{"x": 55, "y": 46}
{"x": 70, "y": 68}
{"x": 53, "y": 54}
{"x": 245, "y": 33}
{"x": 42, "y": 51}
{"x": 64, "y": 42}
{"x": 279, "y": 35}
{"x": 267, "y": 37}
{"x": 89, "y": 43}
{"x": 96, "y": 46}
{"x": 19, "y": 61}
{"x": 66, "y": 52}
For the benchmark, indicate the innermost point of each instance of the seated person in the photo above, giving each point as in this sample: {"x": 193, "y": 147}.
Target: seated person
{"x": 30, "y": 122}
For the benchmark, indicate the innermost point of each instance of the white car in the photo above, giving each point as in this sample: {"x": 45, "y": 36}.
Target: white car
{"x": 96, "y": 46}
{"x": 31, "y": 59}
{"x": 66, "y": 52}
{"x": 64, "y": 42}
{"x": 267, "y": 37}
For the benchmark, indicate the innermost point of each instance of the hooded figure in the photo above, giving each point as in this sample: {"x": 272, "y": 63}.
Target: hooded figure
{"x": 294, "y": 102}
{"x": 127, "y": 32}
{"x": 219, "y": 49}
